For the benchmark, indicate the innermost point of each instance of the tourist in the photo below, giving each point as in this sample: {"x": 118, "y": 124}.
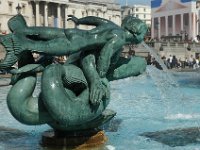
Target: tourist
{"x": 131, "y": 53}
{"x": 186, "y": 61}
{"x": 148, "y": 59}
{"x": 196, "y": 63}
{"x": 174, "y": 62}
{"x": 170, "y": 61}
{"x": 191, "y": 61}
{"x": 181, "y": 63}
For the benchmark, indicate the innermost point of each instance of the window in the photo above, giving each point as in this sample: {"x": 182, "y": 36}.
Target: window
{"x": 23, "y": 9}
{"x": 144, "y": 9}
{"x": 144, "y": 15}
{"x": 10, "y": 6}
{"x": 83, "y": 14}
{"x": 137, "y": 16}
{"x": 136, "y": 9}
{"x": 73, "y": 12}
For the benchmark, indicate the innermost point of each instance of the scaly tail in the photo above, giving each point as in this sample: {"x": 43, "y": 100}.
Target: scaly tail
{"x": 17, "y": 23}
{"x": 11, "y": 42}
{"x": 6, "y": 41}
{"x": 16, "y": 45}
{"x": 11, "y": 58}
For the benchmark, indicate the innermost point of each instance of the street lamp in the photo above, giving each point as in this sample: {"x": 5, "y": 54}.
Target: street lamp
{"x": 18, "y": 8}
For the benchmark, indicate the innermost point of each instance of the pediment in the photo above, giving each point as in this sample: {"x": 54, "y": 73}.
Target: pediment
{"x": 171, "y": 5}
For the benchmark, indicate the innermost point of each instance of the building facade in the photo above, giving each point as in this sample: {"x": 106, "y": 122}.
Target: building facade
{"x": 8, "y": 9}
{"x": 54, "y": 13}
{"x": 174, "y": 18}
{"x": 142, "y": 12}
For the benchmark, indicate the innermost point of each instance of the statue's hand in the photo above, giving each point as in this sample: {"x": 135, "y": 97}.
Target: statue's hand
{"x": 97, "y": 91}
{"x": 73, "y": 18}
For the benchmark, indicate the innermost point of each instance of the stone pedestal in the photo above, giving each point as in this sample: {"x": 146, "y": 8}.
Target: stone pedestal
{"x": 78, "y": 140}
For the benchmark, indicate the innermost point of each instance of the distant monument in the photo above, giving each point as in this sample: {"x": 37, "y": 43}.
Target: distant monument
{"x": 74, "y": 95}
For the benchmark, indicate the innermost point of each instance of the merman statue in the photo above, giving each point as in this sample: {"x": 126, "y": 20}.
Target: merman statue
{"x": 73, "y": 95}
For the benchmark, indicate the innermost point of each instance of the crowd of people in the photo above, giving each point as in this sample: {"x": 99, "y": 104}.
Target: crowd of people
{"x": 56, "y": 60}
{"x": 172, "y": 61}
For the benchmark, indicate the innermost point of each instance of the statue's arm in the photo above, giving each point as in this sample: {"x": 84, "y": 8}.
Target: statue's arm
{"x": 90, "y": 20}
{"x": 127, "y": 67}
{"x": 43, "y": 33}
{"x": 97, "y": 89}
{"x": 104, "y": 60}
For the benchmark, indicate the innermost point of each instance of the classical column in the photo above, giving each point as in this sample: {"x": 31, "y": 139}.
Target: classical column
{"x": 104, "y": 16}
{"x": 152, "y": 28}
{"x": 159, "y": 27}
{"x": 194, "y": 25}
{"x": 58, "y": 15}
{"x": 37, "y": 13}
{"x": 166, "y": 26}
{"x": 89, "y": 12}
{"x": 93, "y": 11}
{"x": 174, "y": 25}
{"x": 190, "y": 25}
{"x": 45, "y": 13}
{"x": 182, "y": 24}
{"x": 198, "y": 23}
{"x": 66, "y": 13}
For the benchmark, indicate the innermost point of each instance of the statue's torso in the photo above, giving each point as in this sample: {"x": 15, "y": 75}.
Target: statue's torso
{"x": 95, "y": 38}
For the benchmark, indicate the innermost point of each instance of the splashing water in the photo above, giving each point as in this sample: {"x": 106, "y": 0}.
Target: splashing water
{"x": 158, "y": 59}
{"x": 166, "y": 84}
{"x": 169, "y": 78}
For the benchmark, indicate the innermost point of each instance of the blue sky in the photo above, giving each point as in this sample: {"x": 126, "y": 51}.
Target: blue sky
{"x": 145, "y": 2}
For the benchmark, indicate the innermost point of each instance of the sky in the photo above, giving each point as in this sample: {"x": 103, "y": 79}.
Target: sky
{"x": 131, "y": 2}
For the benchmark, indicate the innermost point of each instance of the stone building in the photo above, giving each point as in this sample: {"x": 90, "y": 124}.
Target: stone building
{"x": 174, "y": 18}
{"x": 8, "y": 9}
{"x": 54, "y": 13}
{"x": 142, "y": 12}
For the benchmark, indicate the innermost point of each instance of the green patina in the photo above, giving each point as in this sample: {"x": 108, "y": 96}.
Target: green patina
{"x": 74, "y": 95}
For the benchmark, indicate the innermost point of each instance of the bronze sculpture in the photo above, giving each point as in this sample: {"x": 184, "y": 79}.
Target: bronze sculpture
{"x": 74, "y": 95}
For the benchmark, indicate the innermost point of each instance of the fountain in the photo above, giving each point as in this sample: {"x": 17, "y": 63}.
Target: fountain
{"x": 144, "y": 124}
{"x": 73, "y": 96}
{"x": 148, "y": 116}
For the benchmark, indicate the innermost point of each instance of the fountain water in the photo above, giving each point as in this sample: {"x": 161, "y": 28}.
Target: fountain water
{"x": 166, "y": 83}
{"x": 154, "y": 111}
{"x": 141, "y": 122}
{"x": 155, "y": 55}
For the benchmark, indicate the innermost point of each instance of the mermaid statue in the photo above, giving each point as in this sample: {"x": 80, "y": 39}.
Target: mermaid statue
{"x": 73, "y": 95}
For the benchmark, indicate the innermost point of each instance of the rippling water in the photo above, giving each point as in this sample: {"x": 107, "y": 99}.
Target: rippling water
{"x": 145, "y": 118}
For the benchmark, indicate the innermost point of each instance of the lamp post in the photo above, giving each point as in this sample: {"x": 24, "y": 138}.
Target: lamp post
{"x": 18, "y": 8}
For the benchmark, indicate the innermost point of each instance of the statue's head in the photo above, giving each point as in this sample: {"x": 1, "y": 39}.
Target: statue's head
{"x": 17, "y": 23}
{"x": 136, "y": 27}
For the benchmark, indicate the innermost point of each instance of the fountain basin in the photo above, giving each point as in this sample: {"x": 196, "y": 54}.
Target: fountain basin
{"x": 142, "y": 110}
